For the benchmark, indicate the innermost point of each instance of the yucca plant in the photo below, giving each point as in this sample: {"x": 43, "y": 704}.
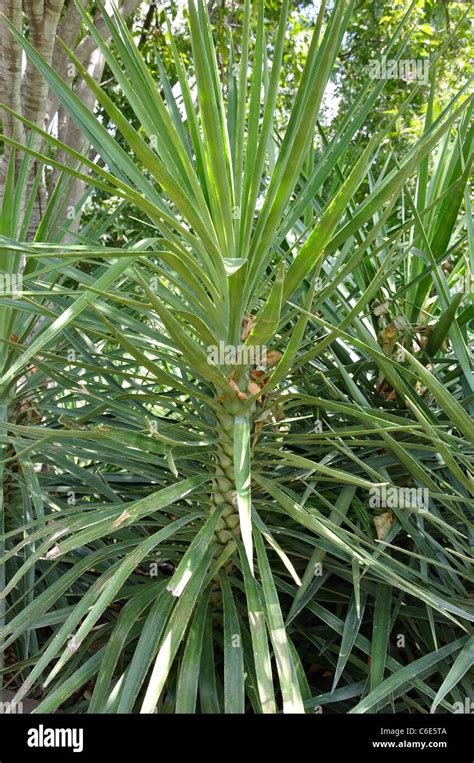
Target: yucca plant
{"x": 196, "y": 543}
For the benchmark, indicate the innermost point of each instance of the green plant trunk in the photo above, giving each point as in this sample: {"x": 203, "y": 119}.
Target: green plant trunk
{"x": 223, "y": 486}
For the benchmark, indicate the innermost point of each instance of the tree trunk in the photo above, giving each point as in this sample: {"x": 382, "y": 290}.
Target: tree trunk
{"x": 24, "y": 89}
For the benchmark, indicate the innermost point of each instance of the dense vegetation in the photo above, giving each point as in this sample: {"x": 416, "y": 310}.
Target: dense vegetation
{"x": 288, "y": 529}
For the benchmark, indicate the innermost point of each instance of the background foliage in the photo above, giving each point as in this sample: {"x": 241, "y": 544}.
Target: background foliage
{"x": 187, "y": 537}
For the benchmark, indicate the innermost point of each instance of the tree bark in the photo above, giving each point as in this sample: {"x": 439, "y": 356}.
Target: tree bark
{"x": 24, "y": 89}
{"x": 10, "y": 78}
